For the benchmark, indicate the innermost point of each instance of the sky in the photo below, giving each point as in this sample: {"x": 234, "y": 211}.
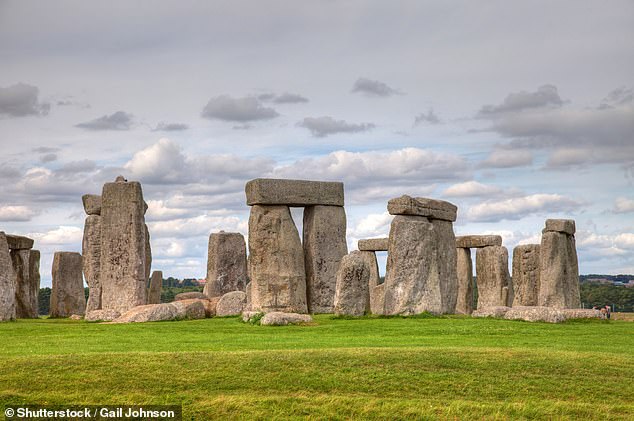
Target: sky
{"x": 514, "y": 111}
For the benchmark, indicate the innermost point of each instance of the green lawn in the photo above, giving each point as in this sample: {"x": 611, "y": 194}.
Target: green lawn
{"x": 384, "y": 368}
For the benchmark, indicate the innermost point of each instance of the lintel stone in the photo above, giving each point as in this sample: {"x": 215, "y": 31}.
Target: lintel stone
{"x": 373, "y": 244}
{"x": 478, "y": 241}
{"x": 422, "y": 206}
{"x": 566, "y": 226}
{"x": 18, "y": 242}
{"x": 271, "y": 191}
{"x": 92, "y": 204}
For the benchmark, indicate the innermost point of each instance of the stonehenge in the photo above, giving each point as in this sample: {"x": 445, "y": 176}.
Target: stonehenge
{"x": 226, "y": 264}
{"x": 67, "y": 294}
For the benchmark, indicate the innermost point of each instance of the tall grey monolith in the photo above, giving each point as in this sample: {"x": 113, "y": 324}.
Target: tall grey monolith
{"x": 493, "y": 278}
{"x": 67, "y": 294}
{"x": 91, "y": 254}
{"x": 7, "y": 282}
{"x": 156, "y": 284}
{"x": 352, "y": 295}
{"x": 226, "y": 264}
{"x": 526, "y": 268}
{"x": 464, "y": 302}
{"x": 26, "y": 265}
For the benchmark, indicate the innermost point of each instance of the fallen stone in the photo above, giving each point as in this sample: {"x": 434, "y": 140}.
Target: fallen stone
{"x": 101, "y": 315}
{"x": 495, "y": 311}
{"x": 190, "y": 295}
{"x": 324, "y": 246}
{"x": 422, "y": 206}
{"x": 92, "y": 204}
{"x": 276, "y": 261}
{"x": 149, "y": 313}
{"x": 535, "y": 314}
{"x": 156, "y": 284}
{"x": 7, "y": 282}
{"x": 567, "y": 226}
{"x": 26, "y": 266}
{"x": 252, "y": 316}
{"x": 76, "y": 317}
{"x": 580, "y": 313}
{"x": 464, "y": 269}
{"x": 226, "y": 264}
{"x": 231, "y": 304}
{"x": 18, "y": 242}
{"x": 67, "y": 294}
{"x": 559, "y": 271}
{"x": 478, "y": 241}
{"x": 277, "y": 318}
{"x": 377, "y": 299}
{"x": 269, "y": 191}
{"x": 210, "y": 306}
{"x": 190, "y": 309}
{"x": 526, "y": 268}
{"x": 352, "y": 296}
{"x": 91, "y": 254}
{"x": 373, "y": 244}
{"x": 492, "y": 276}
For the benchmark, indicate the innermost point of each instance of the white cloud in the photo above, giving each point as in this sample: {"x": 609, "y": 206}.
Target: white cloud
{"x": 623, "y": 205}
{"x": 16, "y": 213}
{"x": 160, "y": 162}
{"x": 62, "y": 236}
{"x": 507, "y": 158}
{"x": 471, "y": 189}
{"x": 519, "y": 207}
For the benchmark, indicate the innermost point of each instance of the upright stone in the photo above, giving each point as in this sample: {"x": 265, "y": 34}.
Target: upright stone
{"x": 123, "y": 246}
{"x": 7, "y": 282}
{"x": 67, "y": 295}
{"x": 376, "y": 294}
{"x": 492, "y": 276}
{"x": 526, "y": 268}
{"x": 464, "y": 303}
{"x": 226, "y": 264}
{"x": 34, "y": 273}
{"x": 156, "y": 283}
{"x": 26, "y": 266}
{"x": 324, "y": 247}
{"x": 352, "y": 296}
{"x": 148, "y": 254}
{"x": 91, "y": 255}
{"x": 276, "y": 261}
{"x": 559, "y": 267}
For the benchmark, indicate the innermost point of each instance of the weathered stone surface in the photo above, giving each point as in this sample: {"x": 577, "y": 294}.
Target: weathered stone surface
{"x": 422, "y": 206}
{"x": 373, "y": 244}
{"x": 270, "y": 191}
{"x": 526, "y": 275}
{"x": 478, "y": 241}
{"x": 492, "y": 275}
{"x": 276, "y": 261}
{"x": 148, "y": 255}
{"x": 7, "y": 281}
{"x": 156, "y": 284}
{"x": 178, "y": 310}
{"x": 421, "y": 266}
{"x": 231, "y": 304}
{"x": 190, "y": 295}
{"x": 373, "y": 265}
{"x": 352, "y": 296}
{"x": 101, "y": 315}
{"x": 190, "y": 309}
{"x": 18, "y": 242}
{"x": 324, "y": 247}
{"x": 464, "y": 266}
{"x": 377, "y": 299}
{"x": 567, "y": 226}
{"x": 495, "y": 311}
{"x": 67, "y": 294}
{"x": 226, "y": 264}
{"x": 559, "y": 271}
{"x": 210, "y": 306}
{"x": 76, "y": 317}
{"x": 535, "y": 314}
{"x": 123, "y": 247}
{"x": 26, "y": 265}
{"x": 277, "y": 318}
{"x": 251, "y": 316}
{"x": 91, "y": 254}
{"x": 580, "y": 313}
{"x": 92, "y": 204}
{"x": 247, "y": 291}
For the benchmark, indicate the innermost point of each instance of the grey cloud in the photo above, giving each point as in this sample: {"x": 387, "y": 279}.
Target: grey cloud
{"x": 244, "y": 109}
{"x": 429, "y": 118}
{"x": 325, "y": 126}
{"x": 44, "y": 149}
{"x": 21, "y": 100}
{"x": 77, "y": 167}
{"x": 287, "y": 98}
{"x": 619, "y": 96}
{"x": 373, "y": 88}
{"x": 7, "y": 172}
{"x": 507, "y": 158}
{"x": 170, "y": 127}
{"x": 545, "y": 96}
{"x": 119, "y": 120}
{"x": 49, "y": 157}
{"x": 242, "y": 127}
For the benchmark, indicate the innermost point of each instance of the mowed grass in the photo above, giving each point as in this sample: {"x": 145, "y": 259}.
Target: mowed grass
{"x": 367, "y": 368}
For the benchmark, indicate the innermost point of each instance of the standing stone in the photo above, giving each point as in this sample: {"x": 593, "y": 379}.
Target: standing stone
{"x": 559, "y": 268}
{"x": 26, "y": 266}
{"x": 123, "y": 246}
{"x": 464, "y": 303}
{"x": 377, "y": 299}
{"x": 148, "y": 253}
{"x": 421, "y": 265}
{"x": 156, "y": 283}
{"x": 526, "y": 268}
{"x": 376, "y": 302}
{"x": 276, "y": 261}
{"x": 492, "y": 276}
{"x": 7, "y": 282}
{"x": 67, "y": 295}
{"x": 226, "y": 264}
{"x": 91, "y": 254}
{"x": 352, "y": 296}
{"x": 324, "y": 247}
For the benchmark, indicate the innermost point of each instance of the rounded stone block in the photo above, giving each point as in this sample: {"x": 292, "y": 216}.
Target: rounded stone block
{"x": 352, "y": 297}
{"x": 67, "y": 294}
{"x": 226, "y": 264}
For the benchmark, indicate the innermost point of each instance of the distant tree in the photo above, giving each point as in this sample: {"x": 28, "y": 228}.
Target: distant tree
{"x": 596, "y": 294}
{"x": 44, "y": 301}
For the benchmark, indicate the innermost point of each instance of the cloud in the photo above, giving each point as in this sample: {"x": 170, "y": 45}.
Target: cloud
{"x": 245, "y": 109}
{"x": 545, "y": 96}
{"x": 429, "y": 118}
{"x": 471, "y": 189}
{"x": 158, "y": 210}
{"x": 170, "y": 127}
{"x": 49, "y": 157}
{"x": 374, "y": 88}
{"x": 77, "y": 167}
{"x": 507, "y": 158}
{"x": 619, "y": 96}
{"x": 623, "y": 205}
{"x": 63, "y": 235}
{"x": 285, "y": 98}
{"x": 21, "y": 100}
{"x": 16, "y": 213}
{"x": 519, "y": 207}
{"x": 325, "y": 126}
{"x": 118, "y": 121}
{"x": 44, "y": 149}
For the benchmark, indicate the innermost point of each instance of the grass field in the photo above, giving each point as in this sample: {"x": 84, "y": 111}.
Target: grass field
{"x": 388, "y": 368}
